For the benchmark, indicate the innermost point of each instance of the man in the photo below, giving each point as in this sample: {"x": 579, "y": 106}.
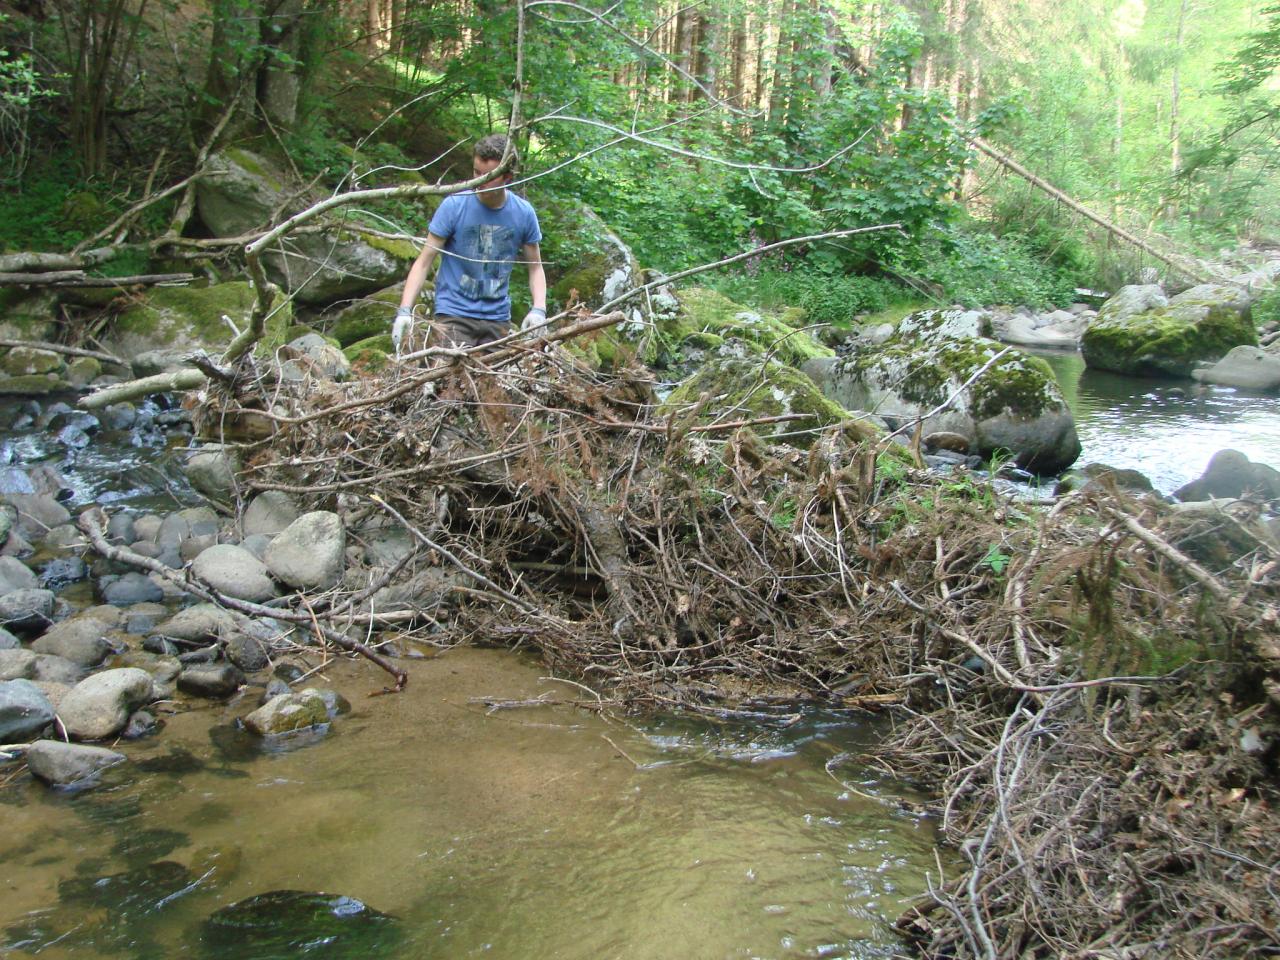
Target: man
{"x": 480, "y": 234}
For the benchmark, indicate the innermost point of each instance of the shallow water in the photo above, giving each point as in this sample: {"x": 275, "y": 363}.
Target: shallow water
{"x": 1167, "y": 429}
{"x": 535, "y": 832}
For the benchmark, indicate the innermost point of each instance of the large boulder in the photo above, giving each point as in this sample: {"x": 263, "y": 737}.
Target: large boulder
{"x": 1231, "y": 474}
{"x": 310, "y": 553}
{"x": 1013, "y": 407}
{"x": 183, "y": 319}
{"x": 756, "y": 389}
{"x": 99, "y": 706}
{"x": 1198, "y": 325}
{"x": 269, "y": 513}
{"x": 1249, "y": 368}
{"x": 365, "y": 317}
{"x": 586, "y": 260}
{"x": 242, "y": 191}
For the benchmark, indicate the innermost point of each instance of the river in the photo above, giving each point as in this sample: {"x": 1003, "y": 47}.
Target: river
{"x": 1167, "y": 429}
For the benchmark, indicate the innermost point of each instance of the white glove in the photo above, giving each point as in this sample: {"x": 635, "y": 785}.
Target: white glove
{"x": 402, "y": 329}
{"x": 536, "y": 317}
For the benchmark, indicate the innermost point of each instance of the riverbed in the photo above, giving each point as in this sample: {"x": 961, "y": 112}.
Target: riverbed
{"x": 535, "y": 831}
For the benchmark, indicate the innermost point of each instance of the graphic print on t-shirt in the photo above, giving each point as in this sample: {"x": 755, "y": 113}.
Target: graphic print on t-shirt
{"x": 488, "y": 253}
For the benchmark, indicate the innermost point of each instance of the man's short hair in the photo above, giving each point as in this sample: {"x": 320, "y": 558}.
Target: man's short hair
{"x": 492, "y": 147}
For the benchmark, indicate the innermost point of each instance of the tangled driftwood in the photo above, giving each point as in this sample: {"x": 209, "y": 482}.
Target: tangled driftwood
{"x": 1091, "y": 690}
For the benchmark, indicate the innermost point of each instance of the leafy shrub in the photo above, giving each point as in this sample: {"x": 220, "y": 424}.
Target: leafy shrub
{"x": 833, "y": 300}
{"x": 978, "y": 269}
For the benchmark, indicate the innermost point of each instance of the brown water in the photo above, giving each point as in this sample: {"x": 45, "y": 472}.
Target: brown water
{"x": 513, "y": 833}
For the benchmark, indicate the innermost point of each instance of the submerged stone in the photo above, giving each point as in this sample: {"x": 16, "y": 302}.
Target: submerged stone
{"x": 286, "y": 923}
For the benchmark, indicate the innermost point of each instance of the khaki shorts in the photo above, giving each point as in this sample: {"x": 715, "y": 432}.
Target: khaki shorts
{"x": 448, "y": 331}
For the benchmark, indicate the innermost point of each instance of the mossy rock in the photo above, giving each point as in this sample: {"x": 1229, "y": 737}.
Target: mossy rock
{"x": 747, "y": 389}
{"x": 27, "y": 316}
{"x": 1167, "y": 341}
{"x": 1014, "y": 406}
{"x": 582, "y": 254}
{"x": 291, "y": 923}
{"x": 370, "y": 355}
{"x": 82, "y": 371}
{"x": 23, "y": 361}
{"x": 187, "y": 318}
{"x": 32, "y": 385}
{"x": 707, "y": 314}
{"x": 366, "y": 317}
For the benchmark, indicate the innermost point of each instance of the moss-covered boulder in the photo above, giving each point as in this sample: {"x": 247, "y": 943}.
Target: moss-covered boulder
{"x": 706, "y": 320}
{"x": 242, "y": 191}
{"x": 23, "y": 361}
{"x": 586, "y": 262}
{"x": 750, "y": 389}
{"x": 1199, "y": 325}
{"x": 364, "y": 317}
{"x": 27, "y": 316}
{"x": 181, "y": 319}
{"x": 370, "y": 355}
{"x": 1014, "y": 407}
{"x": 32, "y": 385}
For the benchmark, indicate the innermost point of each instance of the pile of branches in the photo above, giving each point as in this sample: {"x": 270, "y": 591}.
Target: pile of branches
{"x": 1091, "y": 690}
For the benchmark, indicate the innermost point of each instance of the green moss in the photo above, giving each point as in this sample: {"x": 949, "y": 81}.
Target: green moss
{"x": 1167, "y": 341}
{"x": 930, "y": 371}
{"x": 21, "y": 361}
{"x": 401, "y": 249}
{"x": 704, "y": 311}
{"x": 382, "y": 343}
{"x": 751, "y": 389}
{"x": 587, "y": 279}
{"x": 366, "y": 317}
{"x": 173, "y": 314}
{"x": 32, "y": 385}
{"x": 83, "y": 370}
{"x": 255, "y": 166}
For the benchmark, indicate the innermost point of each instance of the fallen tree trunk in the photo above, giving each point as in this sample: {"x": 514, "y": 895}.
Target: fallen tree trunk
{"x": 78, "y": 278}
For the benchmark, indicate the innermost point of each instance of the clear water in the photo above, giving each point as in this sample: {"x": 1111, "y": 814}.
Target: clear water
{"x": 1168, "y": 429}
{"x": 536, "y": 832}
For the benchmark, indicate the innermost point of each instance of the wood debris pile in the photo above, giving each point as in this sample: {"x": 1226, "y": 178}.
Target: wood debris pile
{"x": 1092, "y": 690}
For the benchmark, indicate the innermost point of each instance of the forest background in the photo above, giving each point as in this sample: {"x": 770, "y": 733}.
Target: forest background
{"x": 696, "y": 131}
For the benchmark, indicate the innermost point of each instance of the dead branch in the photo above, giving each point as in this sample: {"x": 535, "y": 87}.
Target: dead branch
{"x": 63, "y": 349}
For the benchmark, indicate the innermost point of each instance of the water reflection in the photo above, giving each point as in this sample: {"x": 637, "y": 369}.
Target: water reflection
{"x": 1168, "y": 429}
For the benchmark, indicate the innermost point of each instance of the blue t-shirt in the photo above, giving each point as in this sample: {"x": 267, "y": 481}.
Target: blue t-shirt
{"x": 481, "y": 246}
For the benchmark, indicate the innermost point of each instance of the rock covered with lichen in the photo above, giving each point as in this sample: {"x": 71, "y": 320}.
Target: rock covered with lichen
{"x": 782, "y": 400}
{"x": 1157, "y": 339}
{"x": 241, "y": 191}
{"x": 1014, "y": 405}
{"x": 179, "y": 320}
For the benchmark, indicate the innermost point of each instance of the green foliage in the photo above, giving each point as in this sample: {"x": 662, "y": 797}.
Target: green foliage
{"x": 1267, "y": 308}
{"x": 996, "y": 559}
{"x": 55, "y": 210}
{"x": 824, "y": 299}
{"x": 978, "y": 269}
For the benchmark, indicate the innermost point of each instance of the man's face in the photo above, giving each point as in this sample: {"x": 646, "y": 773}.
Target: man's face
{"x": 480, "y": 167}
